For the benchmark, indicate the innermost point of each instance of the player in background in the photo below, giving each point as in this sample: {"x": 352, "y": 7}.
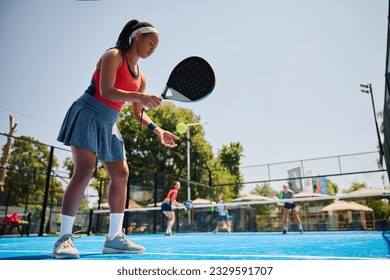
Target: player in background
{"x": 287, "y": 193}
{"x": 166, "y": 207}
{"x": 223, "y": 215}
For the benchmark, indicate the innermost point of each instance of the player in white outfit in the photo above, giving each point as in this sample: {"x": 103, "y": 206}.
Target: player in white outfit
{"x": 223, "y": 215}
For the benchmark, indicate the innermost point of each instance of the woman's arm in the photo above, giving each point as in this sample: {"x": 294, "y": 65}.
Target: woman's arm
{"x": 174, "y": 201}
{"x": 166, "y": 138}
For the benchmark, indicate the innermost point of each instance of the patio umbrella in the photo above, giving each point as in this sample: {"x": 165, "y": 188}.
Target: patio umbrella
{"x": 349, "y": 207}
{"x": 367, "y": 192}
{"x": 251, "y": 197}
{"x": 307, "y": 194}
{"x": 200, "y": 201}
{"x": 346, "y": 206}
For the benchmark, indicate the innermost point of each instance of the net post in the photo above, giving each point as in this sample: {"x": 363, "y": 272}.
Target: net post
{"x": 46, "y": 195}
{"x": 155, "y": 203}
{"x": 90, "y": 222}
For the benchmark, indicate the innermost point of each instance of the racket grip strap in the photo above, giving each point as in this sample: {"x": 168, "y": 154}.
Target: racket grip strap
{"x": 152, "y": 126}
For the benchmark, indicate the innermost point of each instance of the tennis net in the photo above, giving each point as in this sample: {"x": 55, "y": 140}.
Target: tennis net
{"x": 360, "y": 211}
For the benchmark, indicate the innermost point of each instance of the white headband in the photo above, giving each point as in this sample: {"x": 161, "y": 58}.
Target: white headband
{"x": 143, "y": 30}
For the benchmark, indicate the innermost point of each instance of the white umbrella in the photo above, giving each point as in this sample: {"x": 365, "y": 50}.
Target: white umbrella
{"x": 346, "y": 206}
{"x": 368, "y": 192}
{"x": 200, "y": 201}
{"x": 251, "y": 197}
{"x": 307, "y": 194}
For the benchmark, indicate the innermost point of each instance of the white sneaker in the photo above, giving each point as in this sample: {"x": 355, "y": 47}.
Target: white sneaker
{"x": 120, "y": 244}
{"x": 64, "y": 248}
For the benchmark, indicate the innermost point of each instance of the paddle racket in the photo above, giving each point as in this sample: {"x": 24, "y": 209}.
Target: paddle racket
{"x": 188, "y": 205}
{"x": 191, "y": 80}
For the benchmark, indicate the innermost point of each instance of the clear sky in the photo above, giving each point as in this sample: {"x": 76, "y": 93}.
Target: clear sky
{"x": 288, "y": 71}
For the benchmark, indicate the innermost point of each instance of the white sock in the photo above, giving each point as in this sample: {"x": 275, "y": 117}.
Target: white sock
{"x": 116, "y": 222}
{"x": 300, "y": 227}
{"x": 66, "y": 224}
{"x": 285, "y": 227}
{"x": 169, "y": 230}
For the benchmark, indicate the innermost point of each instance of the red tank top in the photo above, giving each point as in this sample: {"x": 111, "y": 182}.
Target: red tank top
{"x": 124, "y": 80}
{"x": 170, "y": 194}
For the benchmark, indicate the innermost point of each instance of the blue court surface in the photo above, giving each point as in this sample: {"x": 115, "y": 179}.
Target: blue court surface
{"x": 345, "y": 245}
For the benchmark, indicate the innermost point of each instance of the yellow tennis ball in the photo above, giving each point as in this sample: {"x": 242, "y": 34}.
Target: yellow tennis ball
{"x": 181, "y": 128}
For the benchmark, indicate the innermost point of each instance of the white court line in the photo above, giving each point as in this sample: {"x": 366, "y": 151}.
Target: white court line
{"x": 263, "y": 256}
{"x": 228, "y": 256}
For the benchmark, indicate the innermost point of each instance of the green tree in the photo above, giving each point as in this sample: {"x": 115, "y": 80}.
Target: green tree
{"x": 26, "y": 179}
{"x": 333, "y": 188}
{"x": 355, "y": 186}
{"x": 230, "y": 159}
{"x": 267, "y": 191}
{"x": 264, "y": 190}
{"x": 145, "y": 151}
{"x": 263, "y": 210}
{"x": 223, "y": 181}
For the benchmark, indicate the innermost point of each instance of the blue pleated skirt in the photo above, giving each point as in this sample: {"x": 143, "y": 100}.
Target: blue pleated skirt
{"x": 91, "y": 125}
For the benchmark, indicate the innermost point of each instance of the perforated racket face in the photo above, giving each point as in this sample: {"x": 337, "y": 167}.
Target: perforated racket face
{"x": 191, "y": 80}
{"x": 189, "y": 205}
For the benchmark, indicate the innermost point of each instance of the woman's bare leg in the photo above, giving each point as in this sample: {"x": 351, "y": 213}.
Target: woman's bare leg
{"x": 117, "y": 188}
{"x": 84, "y": 165}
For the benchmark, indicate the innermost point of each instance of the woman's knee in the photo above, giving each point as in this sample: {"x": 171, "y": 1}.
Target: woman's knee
{"x": 170, "y": 216}
{"x": 82, "y": 172}
{"x": 118, "y": 171}
{"x": 121, "y": 174}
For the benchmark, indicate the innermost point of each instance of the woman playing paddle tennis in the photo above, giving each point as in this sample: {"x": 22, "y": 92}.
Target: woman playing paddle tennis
{"x": 287, "y": 193}
{"x": 89, "y": 128}
{"x": 223, "y": 215}
{"x": 166, "y": 207}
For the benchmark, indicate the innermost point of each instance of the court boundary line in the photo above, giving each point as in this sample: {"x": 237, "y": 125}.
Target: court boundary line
{"x": 217, "y": 256}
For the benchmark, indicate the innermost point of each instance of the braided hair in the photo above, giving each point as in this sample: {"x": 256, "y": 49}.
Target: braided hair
{"x": 123, "y": 42}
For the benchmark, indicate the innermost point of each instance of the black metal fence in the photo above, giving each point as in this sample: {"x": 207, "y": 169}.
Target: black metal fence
{"x": 37, "y": 190}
